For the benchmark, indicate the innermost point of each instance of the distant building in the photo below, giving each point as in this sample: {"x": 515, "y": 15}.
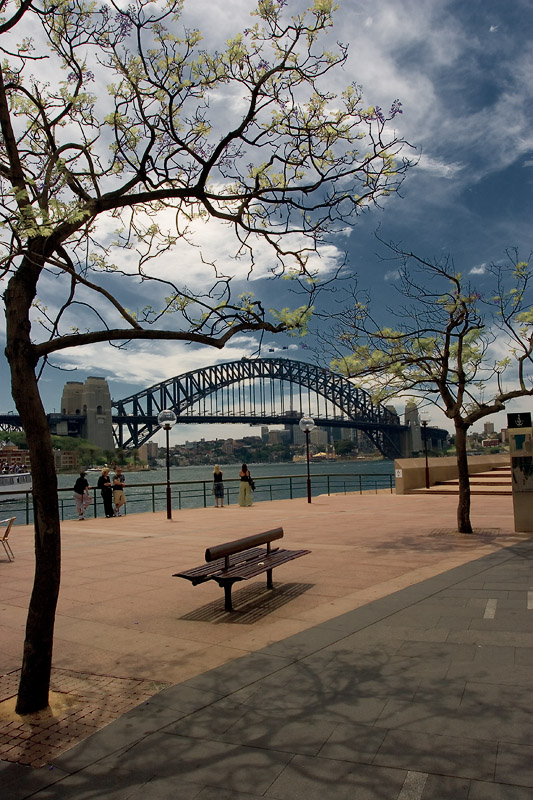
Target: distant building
{"x": 279, "y": 437}
{"x": 318, "y": 437}
{"x": 66, "y": 459}
{"x": 148, "y": 451}
{"x": 488, "y": 428}
{"x": 13, "y": 457}
{"x": 92, "y": 401}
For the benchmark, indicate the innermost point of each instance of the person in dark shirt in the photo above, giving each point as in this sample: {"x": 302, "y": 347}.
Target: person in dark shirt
{"x": 106, "y": 490}
{"x": 81, "y": 495}
{"x": 218, "y": 486}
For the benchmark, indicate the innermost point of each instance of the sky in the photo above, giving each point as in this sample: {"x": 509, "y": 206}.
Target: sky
{"x": 464, "y": 75}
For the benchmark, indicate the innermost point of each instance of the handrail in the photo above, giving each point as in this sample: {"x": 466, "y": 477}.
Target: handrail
{"x": 199, "y": 491}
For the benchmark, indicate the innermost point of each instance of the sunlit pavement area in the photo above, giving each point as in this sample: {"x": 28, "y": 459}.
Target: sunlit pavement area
{"x": 394, "y": 661}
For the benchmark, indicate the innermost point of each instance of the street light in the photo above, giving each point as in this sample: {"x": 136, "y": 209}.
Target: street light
{"x": 424, "y": 423}
{"x": 306, "y": 425}
{"x": 167, "y": 419}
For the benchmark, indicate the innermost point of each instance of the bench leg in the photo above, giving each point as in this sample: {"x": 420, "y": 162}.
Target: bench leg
{"x": 270, "y": 585}
{"x": 227, "y": 597}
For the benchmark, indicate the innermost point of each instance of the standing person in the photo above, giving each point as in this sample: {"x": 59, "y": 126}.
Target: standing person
{"x": 119, "y": 498}
{"x": 81, "y": 495}
{"x": 106, "y": 490}
{"x": 245, "y": 491}
{"x": 218, "y": 486}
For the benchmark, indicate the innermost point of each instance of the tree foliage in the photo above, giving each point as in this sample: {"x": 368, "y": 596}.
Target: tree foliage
{"x": 466, "y": 351}
{"x": 153, "y": 150}
{"x": 123, "y": 139}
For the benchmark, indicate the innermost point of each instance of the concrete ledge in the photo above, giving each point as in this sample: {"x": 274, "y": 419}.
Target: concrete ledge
{"x": 413, "y": 470}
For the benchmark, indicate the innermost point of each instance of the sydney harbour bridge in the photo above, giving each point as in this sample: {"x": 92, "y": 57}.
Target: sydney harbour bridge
{"x": 258, "y": 391}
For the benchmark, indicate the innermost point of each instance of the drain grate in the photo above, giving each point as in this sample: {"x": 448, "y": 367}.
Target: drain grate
{"x": 476, "y": 532}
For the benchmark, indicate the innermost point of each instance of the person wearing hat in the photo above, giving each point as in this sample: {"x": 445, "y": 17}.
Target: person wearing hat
{"x": 81, "y": 495}
{"x": 106, "y": 490}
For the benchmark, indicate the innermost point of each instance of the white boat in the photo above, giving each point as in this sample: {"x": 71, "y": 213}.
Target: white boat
{"x": 11, "y": 482}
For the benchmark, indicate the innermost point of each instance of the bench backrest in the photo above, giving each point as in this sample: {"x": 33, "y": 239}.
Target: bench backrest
{"x": 238, "y": 545}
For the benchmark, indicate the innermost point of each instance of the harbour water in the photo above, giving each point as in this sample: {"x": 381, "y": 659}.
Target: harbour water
{"x": 192, "y": 485}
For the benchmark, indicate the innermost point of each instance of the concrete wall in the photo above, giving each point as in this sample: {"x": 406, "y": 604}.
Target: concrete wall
{"x": 413, "y": 470}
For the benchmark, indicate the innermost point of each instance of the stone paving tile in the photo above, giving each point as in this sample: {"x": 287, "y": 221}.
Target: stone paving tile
{"x": 438, "y": 650}
{"x": 517, "y": 675}
{"x": 510, "y": 638}
{"x": 444, "y": 755}
{"x": 439, "y": 787}
{"x": 261, "y": 729}
{"x": 307, "y": 778}
{"x": 185, "y": 698}
{"x": 234, "y": 675}
{"x": 210, "y": 722}
{"x": 211, "y": 793}
{"x": 111, "y": 785}
{"x": 245, "y": 769}
{"x": 514, "y": 764}
{"x": 481, "y": 790}
{"x": 351, "y": 742}
{"x": 18, "y": 781}
{"x": 524, "y": 655}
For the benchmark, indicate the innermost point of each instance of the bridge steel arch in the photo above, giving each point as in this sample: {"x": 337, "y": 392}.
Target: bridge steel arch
{"x": 249, "y": 390}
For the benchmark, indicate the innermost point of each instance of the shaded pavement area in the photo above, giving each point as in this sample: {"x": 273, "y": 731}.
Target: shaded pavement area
{"x": 392, "y": 662}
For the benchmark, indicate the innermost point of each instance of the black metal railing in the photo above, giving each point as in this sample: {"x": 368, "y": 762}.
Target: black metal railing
{"x": 151, "y": 497}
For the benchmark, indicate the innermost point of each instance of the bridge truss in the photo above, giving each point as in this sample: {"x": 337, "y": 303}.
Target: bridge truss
{"x": 257, "y": 391}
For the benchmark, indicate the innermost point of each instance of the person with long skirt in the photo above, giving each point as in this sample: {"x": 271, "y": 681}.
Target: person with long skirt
{"x": 245, "y": 491}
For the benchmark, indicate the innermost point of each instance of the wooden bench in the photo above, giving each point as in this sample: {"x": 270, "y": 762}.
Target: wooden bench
{"x": 240, "y": 560}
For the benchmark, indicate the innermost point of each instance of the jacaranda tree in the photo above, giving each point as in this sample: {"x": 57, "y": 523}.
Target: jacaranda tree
{"x": 466, "y": 350}
{"x": 121, "y": 137}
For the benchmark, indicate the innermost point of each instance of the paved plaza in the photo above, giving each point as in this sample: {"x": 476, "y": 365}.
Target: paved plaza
{"x": 393, "y": 662}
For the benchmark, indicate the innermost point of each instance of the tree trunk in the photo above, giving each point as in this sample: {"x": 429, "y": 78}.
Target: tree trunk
{"x": 37, "y": 657}
{"x": 463, "y": 509}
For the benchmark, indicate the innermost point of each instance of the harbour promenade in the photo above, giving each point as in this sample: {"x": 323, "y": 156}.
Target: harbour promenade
{"x": 392, "y": 662}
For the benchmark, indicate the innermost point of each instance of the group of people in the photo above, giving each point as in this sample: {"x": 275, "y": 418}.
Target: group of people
{"x": 112, "y": 492}
{"x": 11, "y": 469}
{"x": 245, "y": 490}
{"x": 113, "y": 496}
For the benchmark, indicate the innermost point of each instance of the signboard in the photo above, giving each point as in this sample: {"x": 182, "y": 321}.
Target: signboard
{"x": 521, "y": 420}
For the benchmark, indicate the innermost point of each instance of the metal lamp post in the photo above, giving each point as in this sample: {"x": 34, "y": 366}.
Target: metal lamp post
{"x": 167, "y": 419}
{"x": 425, "y": 427}
{"x": 306, "y": 425}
